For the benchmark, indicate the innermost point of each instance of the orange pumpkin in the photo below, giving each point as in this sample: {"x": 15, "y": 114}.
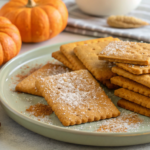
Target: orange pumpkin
{"x": 37, "y": 21}
{"x": 10, "y": 40}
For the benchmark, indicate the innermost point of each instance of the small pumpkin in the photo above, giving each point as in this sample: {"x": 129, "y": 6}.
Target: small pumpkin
{"x": 37, "y": 20}
{"x": 10, "y": 40}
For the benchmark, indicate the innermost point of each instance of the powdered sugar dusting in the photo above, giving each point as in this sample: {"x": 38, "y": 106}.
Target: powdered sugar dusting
{"x": 144, "y": 66}
{"x": 73, "y": 89}
{"x": 136, "y": 66}
{"x": 126, "y": 122}
{"x": 50, "y": 69}
{"x": 118, "y": 48}
{"x": 131, "y": 66}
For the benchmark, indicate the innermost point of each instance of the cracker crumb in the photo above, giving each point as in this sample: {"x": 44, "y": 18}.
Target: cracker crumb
{"x": 40, "y": 110}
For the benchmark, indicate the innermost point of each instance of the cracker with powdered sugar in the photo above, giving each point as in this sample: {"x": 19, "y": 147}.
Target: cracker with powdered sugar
{"x": 126, "y": 52}
{"x": 76, "y": 98}
{"x": 27, "y": 85}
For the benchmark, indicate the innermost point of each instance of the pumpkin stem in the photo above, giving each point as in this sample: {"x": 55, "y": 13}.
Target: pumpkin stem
{"x": 31, "y": 3}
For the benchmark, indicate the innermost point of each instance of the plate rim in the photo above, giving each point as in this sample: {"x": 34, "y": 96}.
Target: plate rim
{"x": 5, "y": 104}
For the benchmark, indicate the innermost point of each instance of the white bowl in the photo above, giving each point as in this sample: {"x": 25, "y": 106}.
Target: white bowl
{"x": 107, "y": 7}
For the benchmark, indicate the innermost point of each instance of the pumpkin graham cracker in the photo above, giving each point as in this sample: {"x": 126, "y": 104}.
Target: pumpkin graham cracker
{"x": 100, "y": 69}
{"x": 27, "y": 85}
{"x": 60, "y": 57}
{"x": 130, "y": 85}
{"x": 126, "y": 52}
{"x": 133, "y": 97}
{"x": 67, "y": 50}
{"x": 135, "y": 69}
{"x": 134, "y": 107}
{"x": 76, "y": 98}
{"x": 142, "y": 79}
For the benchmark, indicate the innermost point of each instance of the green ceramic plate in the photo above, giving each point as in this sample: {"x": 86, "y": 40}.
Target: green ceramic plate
{"x": 15, "y": 105}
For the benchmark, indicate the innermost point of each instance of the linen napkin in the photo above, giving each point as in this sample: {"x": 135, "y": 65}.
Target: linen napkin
{"x": 97, "y": 26}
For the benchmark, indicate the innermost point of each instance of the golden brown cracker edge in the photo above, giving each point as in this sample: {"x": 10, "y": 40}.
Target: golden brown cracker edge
{"x": 134, "y": 107}
{"x": 133, "y": 97}
{"x": 60, "y": 57}
{"x": 134, "y": 69}
{"x": 130, "y": 85}
{"x": 142, "y": 79}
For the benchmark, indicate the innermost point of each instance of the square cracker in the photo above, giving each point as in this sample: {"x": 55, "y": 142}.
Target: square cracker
{"x": 135, "y": 69}
{"x": 126, "y": 52}
{"x": 27, "y": 85}
{"x": 76, "y": 98}
{"x": 134, "y": 107}
{"x": 61, "y": 57}
{"x": 67, "y": 50}
{"x": 143, "y": 79}
{"x": 130, "y": 85}
{"x": 133, "y": 97}
{"x": 101, "y": 69}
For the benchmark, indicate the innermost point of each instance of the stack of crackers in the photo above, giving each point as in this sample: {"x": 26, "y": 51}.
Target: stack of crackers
{"x": 133, "y": 67}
